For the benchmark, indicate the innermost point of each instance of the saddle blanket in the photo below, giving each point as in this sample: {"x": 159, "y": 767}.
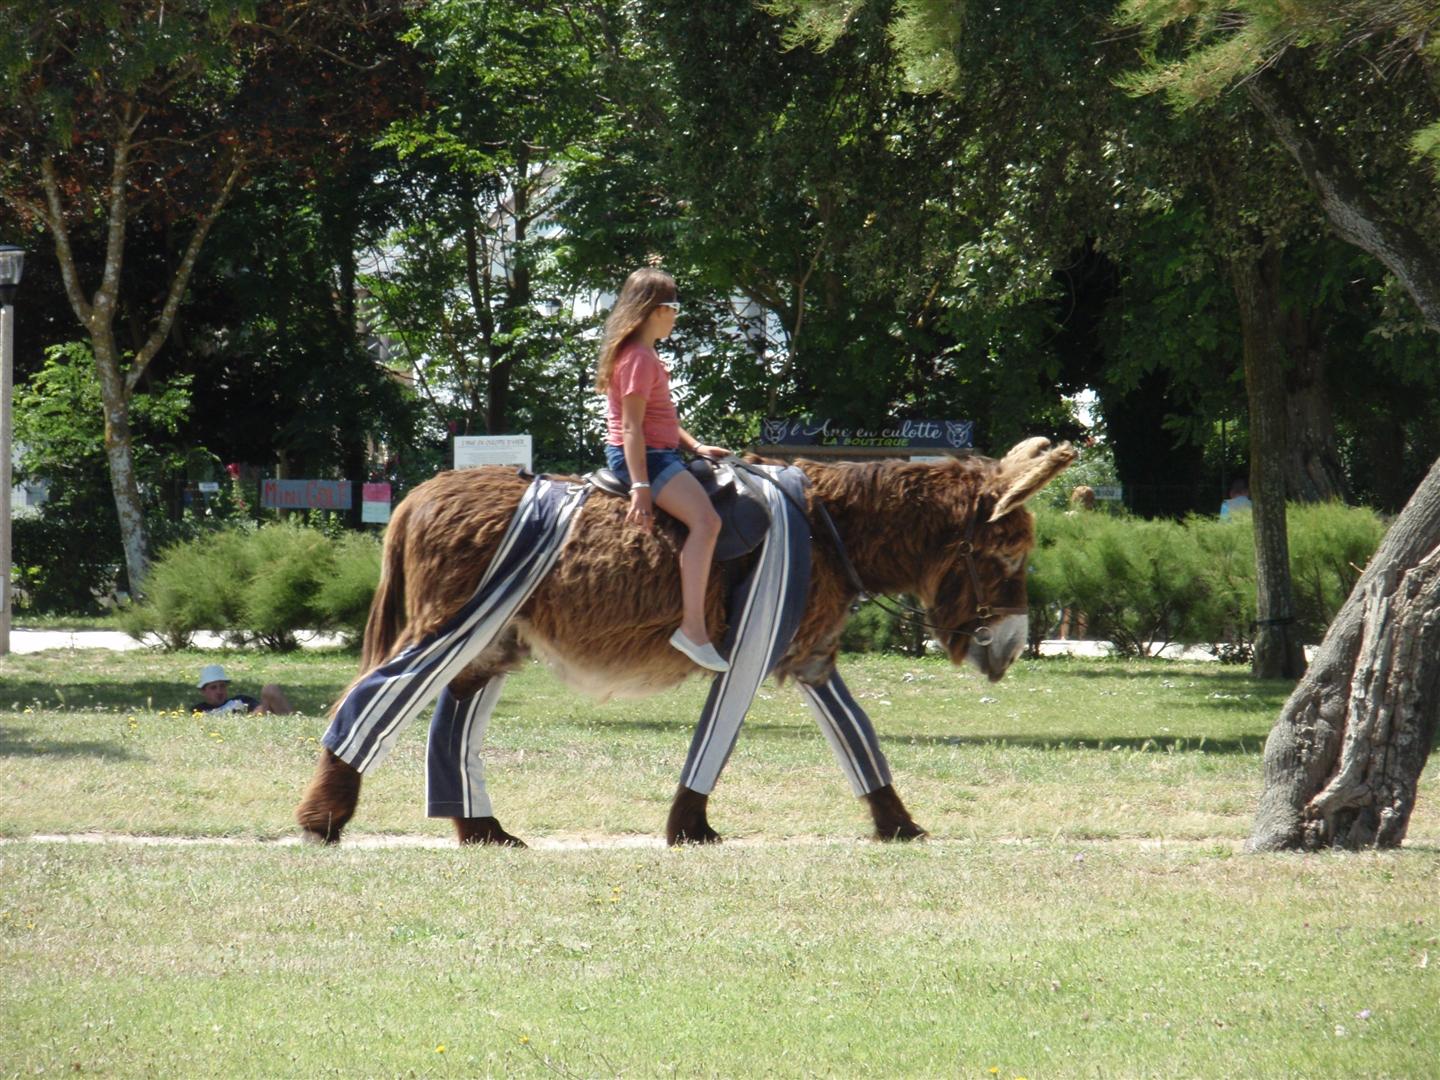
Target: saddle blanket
{"x": 766, "y": 607}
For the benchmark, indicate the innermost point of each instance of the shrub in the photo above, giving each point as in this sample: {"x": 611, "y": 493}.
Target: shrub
{"x": 289, "y": 564}
{"x": 258, "y": 585}
{"x": 1140, "y": 581}
{"x": 345, "y": 595}
{"x": 1225, "y": 615}
{"x": 873, "y": 629}
{"x": 1330, "y": 543}
{"x": 194, "y": 585}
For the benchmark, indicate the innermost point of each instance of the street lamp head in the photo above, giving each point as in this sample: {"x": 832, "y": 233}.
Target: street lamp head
{"x": 12, "y": 265}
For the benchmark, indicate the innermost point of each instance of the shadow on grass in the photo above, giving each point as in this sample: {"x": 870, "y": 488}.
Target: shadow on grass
{"x": 1116, "y": 668}
{"x": 146, "y": 694}
{"x": 1158, "y": 744}
{"x": 14, "y": 742}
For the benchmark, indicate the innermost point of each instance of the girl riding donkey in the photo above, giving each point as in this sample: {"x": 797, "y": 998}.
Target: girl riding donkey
{"x": 645, "y": 439}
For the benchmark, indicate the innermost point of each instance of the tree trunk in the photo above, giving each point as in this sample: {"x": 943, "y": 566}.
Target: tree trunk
{"x": 97, "y": 315}
{"x": 1344, "y": 758}
{"x": 1313, "y": 472}
{"x": 1278, "y": 653}
{"x": 120, "y": 453}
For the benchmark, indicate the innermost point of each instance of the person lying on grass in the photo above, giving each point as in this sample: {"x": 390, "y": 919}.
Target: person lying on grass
{"x": 215, "y": 689}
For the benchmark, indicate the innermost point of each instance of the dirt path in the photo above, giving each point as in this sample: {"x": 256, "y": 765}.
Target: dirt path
{"x": 580, "y": 842}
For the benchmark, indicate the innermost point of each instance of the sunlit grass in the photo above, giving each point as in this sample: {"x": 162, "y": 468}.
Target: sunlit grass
{"x": 1083, "y": 908}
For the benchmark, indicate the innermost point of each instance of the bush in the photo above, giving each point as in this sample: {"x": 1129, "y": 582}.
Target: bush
{"x": 193, "y": 585}
{"x": 873, "y": 629}
{"x": 1157, "y": 581}
{"x": 289, "y": 563}
{"x": 258, "y": 585}
{"x": 345, "y": 595}
{"x": 1137, "y": 581}
{"x": 1330, "y": 543}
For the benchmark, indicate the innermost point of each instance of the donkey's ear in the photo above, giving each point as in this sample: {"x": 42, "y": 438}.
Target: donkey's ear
{"x": 1027, "y": 468}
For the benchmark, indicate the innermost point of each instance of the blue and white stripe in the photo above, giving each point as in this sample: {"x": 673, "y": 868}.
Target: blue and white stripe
{"x": 367, "y": 723}
{"x": 455, "y": 754}
{"x": 767, "y": 606}
{"x": 850, "y": 734}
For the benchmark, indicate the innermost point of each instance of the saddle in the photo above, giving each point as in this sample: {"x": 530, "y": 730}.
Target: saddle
{"x": 743, "y": 516}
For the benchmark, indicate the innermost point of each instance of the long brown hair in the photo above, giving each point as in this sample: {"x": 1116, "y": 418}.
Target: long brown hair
{"x": 643, "y": 291}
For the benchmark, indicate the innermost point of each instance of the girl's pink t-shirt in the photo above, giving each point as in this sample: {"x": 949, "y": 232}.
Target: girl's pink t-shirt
{"x": 639, "y": 371}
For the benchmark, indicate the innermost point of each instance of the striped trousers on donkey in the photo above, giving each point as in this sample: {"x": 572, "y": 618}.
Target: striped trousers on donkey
{"x": 766, "y": 607}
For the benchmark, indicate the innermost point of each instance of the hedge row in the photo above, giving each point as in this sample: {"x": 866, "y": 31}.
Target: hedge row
{"x": 1137, "y": 583}
{"x": 1140, "y": 582}
{"x": 259, "y": 586}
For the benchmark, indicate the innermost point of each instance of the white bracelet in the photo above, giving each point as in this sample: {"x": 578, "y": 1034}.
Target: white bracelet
{"x": 639, "y": 484}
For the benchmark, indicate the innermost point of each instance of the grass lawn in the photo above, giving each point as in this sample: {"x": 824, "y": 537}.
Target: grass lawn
{"x": 1082, "y": 909}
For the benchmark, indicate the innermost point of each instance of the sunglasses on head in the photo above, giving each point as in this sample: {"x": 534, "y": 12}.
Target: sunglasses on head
{"x": 673, "y": 305}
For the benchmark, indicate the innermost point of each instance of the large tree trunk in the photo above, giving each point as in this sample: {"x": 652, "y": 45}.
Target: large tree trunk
{"x": 1278, "y": 652}
{"x": 1343, "y": 760}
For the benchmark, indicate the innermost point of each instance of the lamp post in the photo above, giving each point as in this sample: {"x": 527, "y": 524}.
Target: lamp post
{"x": 12, "y": 265}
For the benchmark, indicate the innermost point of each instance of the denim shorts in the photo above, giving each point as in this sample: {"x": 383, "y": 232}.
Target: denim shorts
{"x": 662, "y": 465}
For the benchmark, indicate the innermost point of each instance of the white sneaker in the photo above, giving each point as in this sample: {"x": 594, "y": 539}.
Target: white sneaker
{"x": 704, "y": 655}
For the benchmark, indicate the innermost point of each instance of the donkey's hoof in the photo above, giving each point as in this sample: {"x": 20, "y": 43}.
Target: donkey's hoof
{"x": 892, "y": 820}
{"x": 687, "y": 823}
{"x": 484, "y": 830}
{"x": 319, "y": 837}
{"x": 694, "y": 834}
{"x": 905, "y": 831}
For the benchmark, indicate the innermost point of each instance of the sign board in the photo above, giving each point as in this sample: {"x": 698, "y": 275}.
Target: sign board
{"x": 1111, "y": 492}
{"x": 209, "y": 486}
{"x": 898, "y": 435}
{"x": 305, "y": 494}
{"x": 375, "y": 503}
{"x": 475, "y": 450}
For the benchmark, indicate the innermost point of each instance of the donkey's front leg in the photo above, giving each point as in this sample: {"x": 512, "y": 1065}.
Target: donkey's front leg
{"x": 687, "y": 823}
{"x": 329, "y": 801}
{"x": 852, "y": 737}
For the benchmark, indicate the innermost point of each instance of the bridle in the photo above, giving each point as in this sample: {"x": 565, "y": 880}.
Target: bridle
{"x": 975, "y": 629}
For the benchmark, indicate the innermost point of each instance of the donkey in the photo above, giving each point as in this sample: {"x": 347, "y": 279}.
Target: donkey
{"x": 955, "y": 533}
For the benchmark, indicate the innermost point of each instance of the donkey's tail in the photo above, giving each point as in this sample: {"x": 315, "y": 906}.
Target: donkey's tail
{"x": 387, "y": 609}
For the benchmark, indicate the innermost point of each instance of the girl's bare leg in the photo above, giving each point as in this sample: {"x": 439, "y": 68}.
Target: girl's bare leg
{"x": 684, "y": 499}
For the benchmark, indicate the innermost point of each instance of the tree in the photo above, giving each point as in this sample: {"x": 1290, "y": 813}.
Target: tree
{"x": 1344, "y": 758}
{"x": 469, "y": 286}
{"x": 122, "y": 112}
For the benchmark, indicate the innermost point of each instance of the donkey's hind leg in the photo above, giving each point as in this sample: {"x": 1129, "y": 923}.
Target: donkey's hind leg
{"x": 687, "y": 823}
{"x": 329, "y": 801}
{"x": 455, "y": 761}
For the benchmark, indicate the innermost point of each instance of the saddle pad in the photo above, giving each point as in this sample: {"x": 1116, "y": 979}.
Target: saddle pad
{"x": 744, "y": 517}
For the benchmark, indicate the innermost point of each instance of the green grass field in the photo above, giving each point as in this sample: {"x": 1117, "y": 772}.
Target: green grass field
{"x": 1082, "y": 909}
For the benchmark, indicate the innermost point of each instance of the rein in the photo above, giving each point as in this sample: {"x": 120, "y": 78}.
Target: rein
{"x": 899, "y": 609}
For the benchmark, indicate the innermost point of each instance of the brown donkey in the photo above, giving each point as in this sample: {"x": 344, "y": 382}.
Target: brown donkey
{"x": 954, "y": 533}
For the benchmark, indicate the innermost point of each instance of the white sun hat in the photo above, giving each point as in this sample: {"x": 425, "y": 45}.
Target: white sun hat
{"x": 212, "y": 673}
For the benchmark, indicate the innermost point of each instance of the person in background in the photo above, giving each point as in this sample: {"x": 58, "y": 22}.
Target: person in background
{"x": 1239, "y": 499}
{"x": 644, "y": 440}
{"x": 214, "y": 687}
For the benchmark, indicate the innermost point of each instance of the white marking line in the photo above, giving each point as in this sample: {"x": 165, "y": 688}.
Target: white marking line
{"x": 378, "y": 841}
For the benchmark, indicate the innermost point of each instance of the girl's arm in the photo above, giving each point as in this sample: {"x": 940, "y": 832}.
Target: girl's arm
{"x": 632, "y": 417}
{"x": 696, "y": 447}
